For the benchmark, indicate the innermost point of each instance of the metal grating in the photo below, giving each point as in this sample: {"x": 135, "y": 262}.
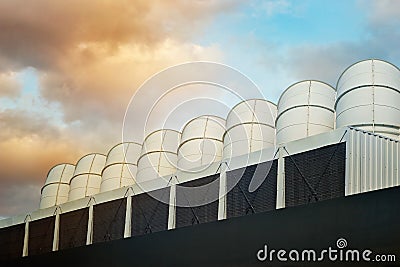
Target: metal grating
{"x": 186, "y": 216}
{"x": 149, "y": 214}
{"x": 41, "y": 234}
{"x": 109, "y": 220}
{"x": 11, "y": 241}
{"x": 315, "y": 175}
{"x": 73, "y": 228}
{"x": 240, "y": 201}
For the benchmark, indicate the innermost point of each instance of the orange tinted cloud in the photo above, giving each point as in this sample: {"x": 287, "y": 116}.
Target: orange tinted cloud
{"x": 90, "y": 57}
{"x": 41, "y": 33}
{"x": 9, "y": 85}
{"x": 30, "y": 145}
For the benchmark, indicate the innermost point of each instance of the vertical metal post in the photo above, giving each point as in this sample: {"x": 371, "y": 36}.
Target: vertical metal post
{"x": 26, "y": 236}
{"x": 172, "y": 206}
{"x": 280, "y": 193}
{"x": 222, "y": 192}
{"x": 349, "y": 163}
{"x": 56, "y": 229}
{"x": 89, "y": 236}
{"x": 128, "y": 215}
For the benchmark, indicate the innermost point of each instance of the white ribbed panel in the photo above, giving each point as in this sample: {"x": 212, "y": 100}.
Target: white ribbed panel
{"x": 372, "y": 162}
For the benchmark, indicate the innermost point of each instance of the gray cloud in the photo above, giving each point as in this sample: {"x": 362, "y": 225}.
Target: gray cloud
{"x": 18, "y": 124}
{"x": 323, "y": 62}
{"x": 18, "y": 198}
{"x": 382, "y": 11}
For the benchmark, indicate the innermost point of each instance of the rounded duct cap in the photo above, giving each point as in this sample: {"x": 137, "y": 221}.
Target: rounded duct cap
{"x": 369, "y": 98}
{"x": 250, "y": 127}
{"x": 305, "y": 108}
{"x": 127, "y": 152}
{"x": 87, "y": 176}
{"x": 201, "y": 143}
{"x": 56, "y": 188}
{"x": 158, "y": 157}
{"x": 121, "y": 166}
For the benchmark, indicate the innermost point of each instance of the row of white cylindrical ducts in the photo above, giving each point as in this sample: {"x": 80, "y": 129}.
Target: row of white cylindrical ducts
{"x": 367, "y": 96}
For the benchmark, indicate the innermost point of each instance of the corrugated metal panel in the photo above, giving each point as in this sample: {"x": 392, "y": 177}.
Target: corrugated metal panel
{"x": 372, "y": 162}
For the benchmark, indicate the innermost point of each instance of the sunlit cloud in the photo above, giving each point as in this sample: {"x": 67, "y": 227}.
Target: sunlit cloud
{"x": 86, "y": 60}
{"x": 9, "y": 85}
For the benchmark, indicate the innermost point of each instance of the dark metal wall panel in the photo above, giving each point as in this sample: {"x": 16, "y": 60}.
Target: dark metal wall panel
{"x": 12, "y": 241}
{"x": 204, "y": 190}
{"x": 366, "y": 221}
{"x": 73, "y": 228}
{"x": 315, "y": 175}
{"x": 150, "y": 212}
{"x": 252, "y": 189}
{"x": 41, "y": 234}
{"x": 109, "y": 220}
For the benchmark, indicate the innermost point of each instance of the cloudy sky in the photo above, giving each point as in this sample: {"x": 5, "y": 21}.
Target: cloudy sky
{"x": 68, "y": 68}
